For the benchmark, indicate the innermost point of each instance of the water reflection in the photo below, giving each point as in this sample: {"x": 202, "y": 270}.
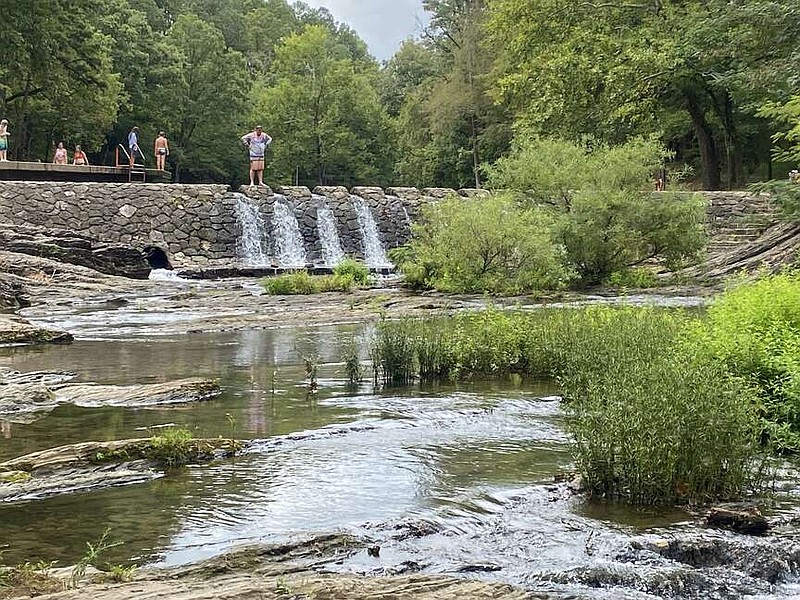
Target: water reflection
{"x": 474, "y": 463}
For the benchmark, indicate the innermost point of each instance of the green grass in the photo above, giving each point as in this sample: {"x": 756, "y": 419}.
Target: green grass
{"x": 347, "y": 275}
{"x": 655, "y": 419}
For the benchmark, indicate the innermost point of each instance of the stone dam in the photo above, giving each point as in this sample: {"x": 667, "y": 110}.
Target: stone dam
{"x": 210, "y": 227}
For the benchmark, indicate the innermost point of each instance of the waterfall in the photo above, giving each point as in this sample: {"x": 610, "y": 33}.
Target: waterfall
{"x": 250, "y": 245}
{"x": 374, "y": 255}
{"x": 332, "y": 253}
{"x": 289, "y": 248}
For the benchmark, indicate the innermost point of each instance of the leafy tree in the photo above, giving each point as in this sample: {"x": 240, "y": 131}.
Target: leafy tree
{"x": 483, "y": 245}
{"x": 787, "y": 116}
{"x": 460, "y": 124}
{"x": 204, "y": 105}
{"x": 619, "y": 70}
{"x": 56, "y": 76}
{"x": 605, "y": 221}
{"x": 324, "y": 113}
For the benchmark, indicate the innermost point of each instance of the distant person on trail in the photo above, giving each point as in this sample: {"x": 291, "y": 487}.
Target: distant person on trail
{"x": 794, "y": 176}
{"x": 161, "y": 149}
{"x": 133, "y": 144}
{"x": 661, "y": 180}
{"x": 79, "y": 157}
{"x": 4, "y": 140}
{"x": 60, "y": 156}
{"x": 257, "y": 142}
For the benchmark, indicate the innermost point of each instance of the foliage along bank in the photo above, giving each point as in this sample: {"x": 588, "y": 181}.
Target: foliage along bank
{"x": 567, "y": 215}
{"x": 663, "y": 405}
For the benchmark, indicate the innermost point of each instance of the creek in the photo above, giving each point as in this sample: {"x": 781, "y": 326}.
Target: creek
{"x": 453, "y": 479}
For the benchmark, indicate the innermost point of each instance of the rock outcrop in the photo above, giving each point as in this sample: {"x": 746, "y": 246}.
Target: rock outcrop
{"x": 74, "y": 248}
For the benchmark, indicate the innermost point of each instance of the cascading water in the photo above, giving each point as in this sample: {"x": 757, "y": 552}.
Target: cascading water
{"x": 289, "y": 248}
{"x": 374, "y": 254}
{"x": 332, "y": 253}
{"x": 250, "y": 245}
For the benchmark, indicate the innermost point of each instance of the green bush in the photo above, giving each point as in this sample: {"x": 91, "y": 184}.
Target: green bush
{"x": 654, "y": 417}
{"x": 356, "y": 271}
{"x": 483, "y": 245}
{"x": 605, "y": 216}
{"x": 172, "y": 448}
{"x": 350, "y": 276}
{"x": 297, "y": 283}
{"x": 754, "y": 328}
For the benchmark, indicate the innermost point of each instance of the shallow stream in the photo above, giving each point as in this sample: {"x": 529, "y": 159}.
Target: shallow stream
{"x": 446, "y": 479}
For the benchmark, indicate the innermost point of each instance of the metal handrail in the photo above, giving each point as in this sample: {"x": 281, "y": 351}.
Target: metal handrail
{"x": 127, "y": 155}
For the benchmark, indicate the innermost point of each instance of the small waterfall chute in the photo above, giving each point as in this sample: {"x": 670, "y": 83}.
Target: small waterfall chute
{"x": 331, "y": 246}
{"x": 374, "y": 254}
{"x": 250, "y": 245}
{"x": 289, "y": 248}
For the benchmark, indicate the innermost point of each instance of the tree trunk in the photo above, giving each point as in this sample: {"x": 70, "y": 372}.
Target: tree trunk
{"x": 705, "y": 138}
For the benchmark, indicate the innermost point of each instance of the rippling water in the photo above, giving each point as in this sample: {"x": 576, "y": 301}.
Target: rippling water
{"x": 451, "y": 479}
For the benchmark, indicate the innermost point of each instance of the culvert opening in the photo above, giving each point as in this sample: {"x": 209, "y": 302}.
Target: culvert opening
{"x": 157, "y": 258}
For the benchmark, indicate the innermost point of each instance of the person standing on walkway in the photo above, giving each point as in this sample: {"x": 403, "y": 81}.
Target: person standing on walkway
{"x": 60, "y": 156}
{"x": 4, "y": 140}
{"x": 79, "y": 157}
{"x": 133, "y": 144}
{"x": 161, "y": 149}
{"x": 256, "y": 142}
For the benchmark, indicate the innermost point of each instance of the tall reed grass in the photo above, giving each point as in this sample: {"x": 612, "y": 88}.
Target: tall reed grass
{"x": 654, "y": 418}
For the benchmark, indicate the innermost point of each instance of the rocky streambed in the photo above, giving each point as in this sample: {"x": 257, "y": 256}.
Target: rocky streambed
{"x": 340, "y": 491}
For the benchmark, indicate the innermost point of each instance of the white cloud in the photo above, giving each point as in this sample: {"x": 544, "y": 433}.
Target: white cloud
{"x": 382, "y": 24}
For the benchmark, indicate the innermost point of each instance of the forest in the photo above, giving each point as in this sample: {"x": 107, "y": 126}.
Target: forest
{"x": 716, "y": 82}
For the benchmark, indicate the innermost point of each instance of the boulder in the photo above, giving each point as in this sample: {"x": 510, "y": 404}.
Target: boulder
{"x": 748, "y": 520}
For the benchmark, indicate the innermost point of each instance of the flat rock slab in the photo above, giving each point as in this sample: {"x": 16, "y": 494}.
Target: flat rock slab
{"x": 90, "y": 466}
{"x": 182, "y": 391}
{"x": 25, "y": 397}
{"x": 16, "y": 330}
{"x": 290, "y": 572}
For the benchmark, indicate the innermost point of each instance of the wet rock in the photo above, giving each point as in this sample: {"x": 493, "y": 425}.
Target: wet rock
{"x": 90, "y": 466}
{"x": 74, "y": 248}
{"x": 18, "y": 398}
{"x": 479, "y": 568}
{"x": 415, "y": 529}
{"x": 12, "y": 293}
{"x": 15, "y": 330}
{"x": 24, "y": 397}
{"x": 748, "y": 520}
{"x": 155, "y": 394}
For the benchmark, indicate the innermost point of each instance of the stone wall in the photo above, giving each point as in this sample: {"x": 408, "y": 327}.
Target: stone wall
{"x": 196, "y": 225}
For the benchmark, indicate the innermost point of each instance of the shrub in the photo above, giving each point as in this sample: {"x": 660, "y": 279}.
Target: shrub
{"x": 483, "y": 245}
{"x": 172, "y": 448}
{"x": 350, "y": 275}
{"x": 654, "y": 417}
{"x": 676, "y": 428}
{"x": 754, "y": 328}
{"x": 297, "y": 283}
{"x": 356, "y": 271}
{"x": 606, "y": 219}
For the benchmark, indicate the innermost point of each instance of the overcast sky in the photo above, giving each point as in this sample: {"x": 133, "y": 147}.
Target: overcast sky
{"x": 383, "y": 24}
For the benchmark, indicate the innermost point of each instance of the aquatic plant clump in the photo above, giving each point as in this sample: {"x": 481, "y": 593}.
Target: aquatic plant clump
{"x": 346, "y": 276}
{"x": 653, "y": 417}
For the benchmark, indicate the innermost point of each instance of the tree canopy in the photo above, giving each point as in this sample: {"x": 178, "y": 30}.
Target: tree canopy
{"x": 715, "y": 81}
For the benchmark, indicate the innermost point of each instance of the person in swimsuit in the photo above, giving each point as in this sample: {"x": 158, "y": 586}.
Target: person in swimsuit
{"x": 79, "y": 157}
{"x": 60, "y": 157}
{"x": 4, "y": 140}
{"x": 161, "y": 149}
{"x": 256, "y": 142}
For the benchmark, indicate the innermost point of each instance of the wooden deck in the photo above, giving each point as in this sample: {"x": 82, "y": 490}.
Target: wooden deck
{"x": 13, "y": 170}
